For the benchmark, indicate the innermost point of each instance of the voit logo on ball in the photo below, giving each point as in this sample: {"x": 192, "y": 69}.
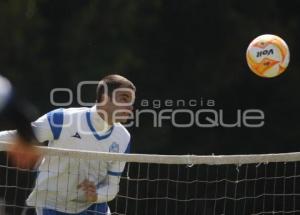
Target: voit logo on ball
{"x": 268, "y": 56}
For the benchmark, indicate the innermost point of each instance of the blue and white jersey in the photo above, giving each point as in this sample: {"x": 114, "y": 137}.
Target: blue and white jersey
{"x": 81, "y": 129}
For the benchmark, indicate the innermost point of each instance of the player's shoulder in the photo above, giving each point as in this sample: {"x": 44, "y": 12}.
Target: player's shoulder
{"x": 122, "y": 137}
{"x": 74, "y": 110}
{"x": 65, "y": 116}
{"x": 63, "y": 119}
{"x": 120, "y": 132}
{"x": 67, "y": 112}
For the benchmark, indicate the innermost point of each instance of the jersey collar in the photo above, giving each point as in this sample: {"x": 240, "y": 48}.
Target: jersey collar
{"x": 97, "y": 125}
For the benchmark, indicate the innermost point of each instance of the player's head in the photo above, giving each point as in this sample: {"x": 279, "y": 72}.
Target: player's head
{"x": 115, "y": 98}
{"x": 5, "y": 92}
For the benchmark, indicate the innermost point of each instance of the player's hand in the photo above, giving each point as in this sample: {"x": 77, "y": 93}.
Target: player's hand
{"x": 90, "y": 189}
{"x": 23, "y": 155}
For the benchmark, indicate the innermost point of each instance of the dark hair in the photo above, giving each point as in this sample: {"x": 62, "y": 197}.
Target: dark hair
{"x": 112, "y": 82}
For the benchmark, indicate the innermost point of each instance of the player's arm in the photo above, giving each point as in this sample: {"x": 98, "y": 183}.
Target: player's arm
{"x": 40, "y": 128}
{"x": 109, "y": 188}
{"x": 105, "y": 192}
{"x": 21, "y": 151}
{"x": 8, "y": 136}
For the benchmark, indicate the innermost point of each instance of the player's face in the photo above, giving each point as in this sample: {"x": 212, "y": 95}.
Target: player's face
{"x": 120, "y": 105}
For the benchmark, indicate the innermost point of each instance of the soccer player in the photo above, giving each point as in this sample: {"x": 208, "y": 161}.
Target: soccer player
{"x": 18, "y": 112}
{"x": 15, "y": 110}
{"x": 5, "y": 92}
{"x": 78, "y": 186}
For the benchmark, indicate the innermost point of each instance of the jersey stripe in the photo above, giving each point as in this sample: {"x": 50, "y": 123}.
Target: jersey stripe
{"x": 56, "y": 120}
{"x": 114, "y": 173}
{"x": 97, "y": 136}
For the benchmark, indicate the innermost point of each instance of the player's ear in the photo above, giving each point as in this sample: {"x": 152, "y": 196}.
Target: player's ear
{"x": 103, "y": 100}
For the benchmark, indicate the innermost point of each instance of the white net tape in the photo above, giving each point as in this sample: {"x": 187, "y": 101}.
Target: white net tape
{"x": 169, "y": 159}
